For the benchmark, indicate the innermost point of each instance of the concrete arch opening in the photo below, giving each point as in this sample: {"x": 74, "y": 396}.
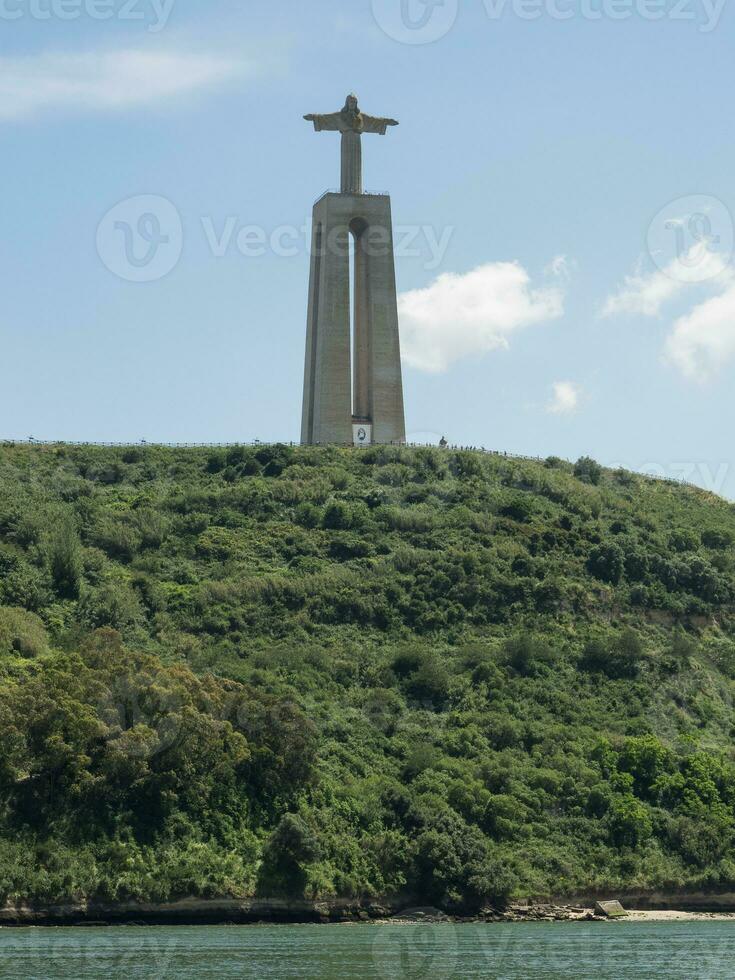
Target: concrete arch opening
{"x": 353, "y": 388}
{"x": 360, "y": 333}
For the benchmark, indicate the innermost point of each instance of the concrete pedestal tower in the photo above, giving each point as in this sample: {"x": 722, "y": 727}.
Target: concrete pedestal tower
{"x": 353, "y": 389}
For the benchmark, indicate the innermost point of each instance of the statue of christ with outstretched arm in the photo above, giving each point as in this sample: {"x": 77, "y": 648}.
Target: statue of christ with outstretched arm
{"x": 351, "y": 123}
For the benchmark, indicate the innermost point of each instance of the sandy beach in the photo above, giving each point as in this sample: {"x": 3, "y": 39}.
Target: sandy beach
{"x": 667, "y": 915}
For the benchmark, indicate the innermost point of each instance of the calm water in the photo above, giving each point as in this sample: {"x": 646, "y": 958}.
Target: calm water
{"x": 595, "y": 951}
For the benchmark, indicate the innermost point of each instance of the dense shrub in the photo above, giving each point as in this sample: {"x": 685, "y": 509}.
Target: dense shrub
{"x": 65, "y": 558}
{"x": 617, "y": 656}
{"x": 588, "y": 470}
{"x": 607, "y": 562}
{"x": 21, "y": 632}
{"x": 447, "y": 676}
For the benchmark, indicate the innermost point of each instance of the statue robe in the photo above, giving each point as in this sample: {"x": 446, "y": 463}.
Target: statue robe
{"x": 351, "y": 126}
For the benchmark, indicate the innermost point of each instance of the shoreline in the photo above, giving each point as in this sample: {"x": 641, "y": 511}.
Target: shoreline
{"x": 673, "y": 915}
{"x": 228, "y": 911}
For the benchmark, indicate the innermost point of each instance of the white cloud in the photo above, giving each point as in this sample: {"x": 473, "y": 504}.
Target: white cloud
{"x": 109, "y": 80}
{"x": 645, "y": 294}
{"x": 703, "y": 340}
{"x": 642, "y": 294}
{"x": 560, "y": 266}
{"x": 459, "y": 316}
{"x": 565, "y": 398}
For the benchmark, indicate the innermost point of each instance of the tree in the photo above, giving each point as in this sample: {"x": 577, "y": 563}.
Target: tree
{"x": 65, "y": 558}
{"x": 628, "y": 821}
{"x": 587, "y": 470}
{"x": 607, "y": 562}
{"x": 21, "y": 632}
{"x": 526, "y": 654}
{"x": 647, "y": 760}
{"x": 291, "y": 847}
{"x": 717, "y": 538}
{"x": 618, "y": 656}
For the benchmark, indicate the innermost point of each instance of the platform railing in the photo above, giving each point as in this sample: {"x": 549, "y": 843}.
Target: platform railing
{"x": 364, "y": 194}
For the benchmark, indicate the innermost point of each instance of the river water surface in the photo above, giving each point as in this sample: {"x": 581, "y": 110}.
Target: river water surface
{"x": 580, "y": 951}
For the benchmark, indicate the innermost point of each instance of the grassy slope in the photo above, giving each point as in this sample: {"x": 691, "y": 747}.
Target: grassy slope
{"x": 461, "y": 675}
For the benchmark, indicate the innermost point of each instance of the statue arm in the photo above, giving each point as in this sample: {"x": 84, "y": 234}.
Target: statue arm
{"x": 329, "y": 122}
{"x": 373, "y": 124}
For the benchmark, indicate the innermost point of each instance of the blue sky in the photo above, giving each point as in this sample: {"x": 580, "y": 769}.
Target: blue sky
{"x": 562, "y": 179}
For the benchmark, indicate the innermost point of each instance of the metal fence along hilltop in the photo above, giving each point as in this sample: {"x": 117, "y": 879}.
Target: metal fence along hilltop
{"x": 258, "y": 444}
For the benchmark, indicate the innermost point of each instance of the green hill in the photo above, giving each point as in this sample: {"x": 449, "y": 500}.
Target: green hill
{"x": 321, "y": 672}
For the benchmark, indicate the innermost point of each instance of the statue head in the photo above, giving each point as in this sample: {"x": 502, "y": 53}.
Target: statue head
{"x": 351, "y": 104}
